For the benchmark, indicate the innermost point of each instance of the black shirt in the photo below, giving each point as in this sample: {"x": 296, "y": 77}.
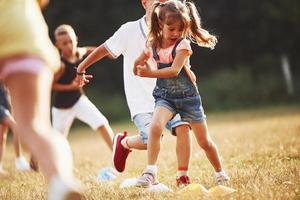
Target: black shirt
{"x": 66, "y": 99}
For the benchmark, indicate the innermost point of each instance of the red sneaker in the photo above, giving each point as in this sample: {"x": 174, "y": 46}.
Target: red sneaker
{"x": 183, "y": 181}
{"x": 120, "y": 153}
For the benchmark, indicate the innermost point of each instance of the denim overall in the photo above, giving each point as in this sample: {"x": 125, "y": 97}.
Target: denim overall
{"x": 178, "y": 94}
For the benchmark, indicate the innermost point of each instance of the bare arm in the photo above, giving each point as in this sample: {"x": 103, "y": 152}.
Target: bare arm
{"x": 140, "y": 61}
{"x": 90, "y": 49}
{"x": 43, "y": 3}
{"x": 96, "y": 55}
{"x": 86, "y": 50}
{"x": 168, "y": 72}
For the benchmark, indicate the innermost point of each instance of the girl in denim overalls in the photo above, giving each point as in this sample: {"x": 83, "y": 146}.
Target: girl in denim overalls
{"x": 173, "y": 25}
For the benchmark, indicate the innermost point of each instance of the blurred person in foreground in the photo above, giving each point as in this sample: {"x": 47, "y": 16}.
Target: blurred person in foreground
{"x": 28, "y": 61}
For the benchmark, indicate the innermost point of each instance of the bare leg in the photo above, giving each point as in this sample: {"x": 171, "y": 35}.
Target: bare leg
{"x": 3, "y": 138}
{"x": 183, "y": 146}
{"x": 10, "y": 122}
{"x": 206, "y": 143}
{"x": 17, "y": 145}
{"x": 30, "y": 96}
{"x": 107, "y": 133}
{"x": 134, "y": 142}
{"x": 160, "y": 118}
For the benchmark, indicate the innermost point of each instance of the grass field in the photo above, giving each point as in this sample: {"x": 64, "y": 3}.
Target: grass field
{"x": 260, "y": 150}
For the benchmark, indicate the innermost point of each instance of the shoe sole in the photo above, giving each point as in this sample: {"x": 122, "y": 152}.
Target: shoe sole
{"x": 142, "y": 185}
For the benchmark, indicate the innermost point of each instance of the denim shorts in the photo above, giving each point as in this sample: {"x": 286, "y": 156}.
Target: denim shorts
{"x": 142, "y": 122}
{"x": 189, "y": 108}
{"x": 3, "y": 113}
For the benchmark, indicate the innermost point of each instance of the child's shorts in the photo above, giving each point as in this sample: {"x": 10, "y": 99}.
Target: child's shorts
{"x": 189, "y": 108}
{"x": 5, "y": 106}
{"x": 3, "y": 113}
{"x": 142, "y": 122}
{"x": 83, "y": 110}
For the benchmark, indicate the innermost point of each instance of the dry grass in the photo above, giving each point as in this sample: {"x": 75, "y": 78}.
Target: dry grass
{"x": 260, "y": 149}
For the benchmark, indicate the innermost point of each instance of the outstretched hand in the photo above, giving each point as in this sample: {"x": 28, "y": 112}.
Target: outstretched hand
{"x": 82, "y": 80}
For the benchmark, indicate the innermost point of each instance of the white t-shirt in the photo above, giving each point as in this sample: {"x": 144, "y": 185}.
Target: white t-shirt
{"x": 129, "y": 40}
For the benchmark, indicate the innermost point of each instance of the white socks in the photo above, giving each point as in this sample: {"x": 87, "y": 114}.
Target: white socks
{"x": 152, "y": 168}
{"x": 181, "y": 173}
{"x": 124, "y": 143}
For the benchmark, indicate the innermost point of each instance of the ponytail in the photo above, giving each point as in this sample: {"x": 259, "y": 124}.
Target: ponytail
{"x": 197, "y": 34}
{"x": 154, "y": 36}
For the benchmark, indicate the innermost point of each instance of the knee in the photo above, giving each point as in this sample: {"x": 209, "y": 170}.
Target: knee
{"x": 207, "y": 145}
{"x": 156, "y": 129}
{"x": 182, "y": 130}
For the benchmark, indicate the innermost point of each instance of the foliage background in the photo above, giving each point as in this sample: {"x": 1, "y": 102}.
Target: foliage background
{"x": 243, "y": 71}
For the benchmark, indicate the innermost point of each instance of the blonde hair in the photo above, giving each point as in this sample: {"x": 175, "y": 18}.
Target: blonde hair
{"x": 64, "y": 29}
{"x": 172, "y": 10}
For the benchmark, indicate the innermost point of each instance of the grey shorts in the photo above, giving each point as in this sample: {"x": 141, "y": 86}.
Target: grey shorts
{"x": 142, "y": 122}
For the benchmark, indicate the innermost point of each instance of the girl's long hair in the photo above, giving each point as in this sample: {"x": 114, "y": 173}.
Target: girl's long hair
{"x": 197, "y": 34}
{"x": 155, "y": 36}
{"x": 186, "y": 12}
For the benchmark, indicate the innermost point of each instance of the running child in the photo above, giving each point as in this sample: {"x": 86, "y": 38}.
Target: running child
{"x": 128, "y": 41}
{"x": 173, "y": 25}
{"x": 69, "y": 100}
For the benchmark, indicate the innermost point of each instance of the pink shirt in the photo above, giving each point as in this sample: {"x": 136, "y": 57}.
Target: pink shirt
{"x": 165, "y": 56}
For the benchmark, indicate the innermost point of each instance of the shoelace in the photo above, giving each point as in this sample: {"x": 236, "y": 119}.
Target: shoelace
{"x": 222, "y": 179}
{"x": 149, "y": 177}
{"x": 183, "y": 180}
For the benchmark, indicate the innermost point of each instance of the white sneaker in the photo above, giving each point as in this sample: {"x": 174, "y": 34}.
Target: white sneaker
{"x": 147, "y": 179}
{"x": 222, "y": 178}
{"x": 64, "y": 190}
{"x": 107, "y": 174}
{"x": 22, "y": 164}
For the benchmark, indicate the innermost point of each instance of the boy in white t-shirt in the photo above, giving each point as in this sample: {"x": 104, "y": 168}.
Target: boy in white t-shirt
{"x": 129, "y": 41}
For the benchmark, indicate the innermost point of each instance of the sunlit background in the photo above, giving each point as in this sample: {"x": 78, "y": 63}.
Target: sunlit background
{"x": 255, "y": 64}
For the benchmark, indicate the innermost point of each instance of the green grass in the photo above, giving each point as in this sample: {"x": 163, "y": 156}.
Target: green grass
{"x": 260, "y": 150}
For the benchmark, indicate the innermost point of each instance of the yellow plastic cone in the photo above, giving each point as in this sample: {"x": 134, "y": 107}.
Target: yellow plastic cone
{"x": 193, "y": 190}
{"x": 220, "y": 191}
